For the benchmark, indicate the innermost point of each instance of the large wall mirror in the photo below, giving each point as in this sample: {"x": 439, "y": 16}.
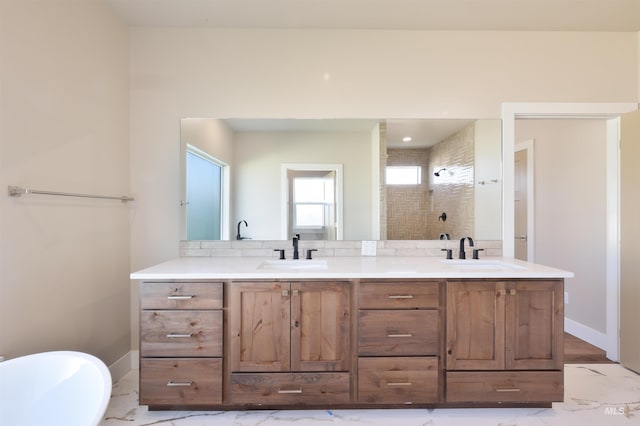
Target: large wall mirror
{"x": 400, "y": 179}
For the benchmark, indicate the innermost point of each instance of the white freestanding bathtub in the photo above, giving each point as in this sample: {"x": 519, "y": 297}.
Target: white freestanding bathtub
{"x": 54, "y": 388}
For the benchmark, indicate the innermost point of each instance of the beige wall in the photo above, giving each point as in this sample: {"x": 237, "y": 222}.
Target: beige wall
{"x": 570, "y": 209}
{"x": 64, "y": 262}
{"x": 177, "y": 73}
{"x": 257, "y": 177}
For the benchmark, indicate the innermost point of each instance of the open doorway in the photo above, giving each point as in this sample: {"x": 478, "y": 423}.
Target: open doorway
{"x": 512, "y": 111}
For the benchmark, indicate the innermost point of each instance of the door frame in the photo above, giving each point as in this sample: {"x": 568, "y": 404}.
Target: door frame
{"x": 610, "y": 111}
{"x": 528, "y": 146}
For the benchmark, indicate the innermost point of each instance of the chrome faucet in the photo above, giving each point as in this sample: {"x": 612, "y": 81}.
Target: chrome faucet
{"x": 461, "y": 255}
{"x": 444, "y": 236}
{"x": 296, "y": 255}
{"x": 238, "y": 236}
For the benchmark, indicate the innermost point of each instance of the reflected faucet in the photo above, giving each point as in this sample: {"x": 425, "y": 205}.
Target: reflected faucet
{"x": 296, "y": 255}
{"x": 238, "y": 236}
{"x": 444, "y": 236}
{"x": 461, "y": 255}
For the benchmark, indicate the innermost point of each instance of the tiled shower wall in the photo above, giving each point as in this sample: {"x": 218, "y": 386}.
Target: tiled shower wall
{"x": 408, "y": 205}
{"x": 414, "y": 211}
{"x": 452, "y": 191}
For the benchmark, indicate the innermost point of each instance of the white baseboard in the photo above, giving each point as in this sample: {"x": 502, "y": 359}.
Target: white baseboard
{"x": 129, "y": 361}
{"x": 588, "y": 334}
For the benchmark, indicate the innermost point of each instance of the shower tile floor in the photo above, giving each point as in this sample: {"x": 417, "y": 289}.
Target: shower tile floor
{"x": 595, "y": 395}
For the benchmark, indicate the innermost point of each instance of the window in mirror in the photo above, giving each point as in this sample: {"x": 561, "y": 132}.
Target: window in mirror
{"x": 314, "y": 203}
{"x": 404, "y": 175}
{"x": 204, "y": 195}
{"x": 313, "y": 200}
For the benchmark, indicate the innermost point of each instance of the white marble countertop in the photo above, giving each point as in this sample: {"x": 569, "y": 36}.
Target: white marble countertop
{"x": 234, "y": 268}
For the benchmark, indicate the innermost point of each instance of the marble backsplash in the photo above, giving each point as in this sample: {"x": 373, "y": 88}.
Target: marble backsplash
{"x": 265, "y": 248}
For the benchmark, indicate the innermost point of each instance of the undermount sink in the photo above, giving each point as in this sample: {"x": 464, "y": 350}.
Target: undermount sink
{"x": 476, "y": 264}
{"x": 294, "y": 264}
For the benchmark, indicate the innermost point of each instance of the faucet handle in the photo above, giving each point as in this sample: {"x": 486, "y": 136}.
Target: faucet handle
{"x": 449, "y": 253}
{"x": 309, "y": 251}
{"x": 475, "y": 253}
{"x": 281, "y": 253}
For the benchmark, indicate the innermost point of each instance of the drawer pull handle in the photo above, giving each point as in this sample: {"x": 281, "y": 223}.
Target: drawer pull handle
{"x": 180, "y": 297}
{"x": 507, "y": 390}
{"x": 399, "y": 384}
{"x": 400, "y": 335}
{"x": 400, "y": 296}
{"x": 289, "y": 390}
{"x": 171, "y": 383}
{"x": 178, "y": 335}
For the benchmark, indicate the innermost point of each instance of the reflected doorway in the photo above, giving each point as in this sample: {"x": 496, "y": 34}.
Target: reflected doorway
{"x": 523, "y": 201}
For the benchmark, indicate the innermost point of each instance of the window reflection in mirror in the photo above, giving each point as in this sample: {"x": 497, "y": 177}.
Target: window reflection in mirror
{"x": 256, "y": 149}
{"x": 313, "y": 201}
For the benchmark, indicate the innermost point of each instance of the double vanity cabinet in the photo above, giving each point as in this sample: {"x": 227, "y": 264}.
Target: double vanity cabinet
{"x": 312, "y": 340}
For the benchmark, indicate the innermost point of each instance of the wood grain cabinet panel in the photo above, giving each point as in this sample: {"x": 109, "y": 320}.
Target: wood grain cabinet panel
{"x": 186, "y": 382}
{"x": 259, "y": 324}
{"x": 505, "y": 386}
{"x": 181, "y": 333}
{"x": 475, "y": 325}
{"x": 398, "y": 380}
{"x": 321, "y": 320}
{"x": 181, "y": 343}
{"x": 509, "y": 325}
{"x": 289, "y": 326}
{"x": 181, "y": 295}
{"x": 398, "y": 332}
{"x": 290, "y": 388}
{"x": 399, "y": 295}
{"x": 534, "y": 326}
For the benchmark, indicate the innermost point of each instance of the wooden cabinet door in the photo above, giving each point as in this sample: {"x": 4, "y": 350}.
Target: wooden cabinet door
{"x": 320, "y": 324}
{"x": 534, "y": 325}
{"x": 259, "y": 318}
{"x": 475, "y": 325}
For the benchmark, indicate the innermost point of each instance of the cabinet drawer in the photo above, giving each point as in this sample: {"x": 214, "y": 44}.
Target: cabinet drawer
{"x": 290, "y": 388}
{"x": 399, "y": 295}
{"x": 178, "y": 295}
{"x": 180, "y": 381}
{"x": 181, "y": 333}
{"x": 398, "y": 332}
{"x": 505, "y": 386}
{"x": 398, "y": 380}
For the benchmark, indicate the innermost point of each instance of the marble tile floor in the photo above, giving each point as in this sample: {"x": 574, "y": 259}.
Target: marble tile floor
{"x": 595, "y": 395}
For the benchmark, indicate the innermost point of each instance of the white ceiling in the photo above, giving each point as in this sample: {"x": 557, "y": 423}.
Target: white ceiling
{"x": 534, "y": 15}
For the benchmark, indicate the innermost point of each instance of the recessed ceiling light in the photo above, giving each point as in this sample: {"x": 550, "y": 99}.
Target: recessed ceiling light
{"x": 406, "y": 139}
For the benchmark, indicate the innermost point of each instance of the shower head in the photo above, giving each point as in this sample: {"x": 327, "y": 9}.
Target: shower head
{"x": 441, "y": 170}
